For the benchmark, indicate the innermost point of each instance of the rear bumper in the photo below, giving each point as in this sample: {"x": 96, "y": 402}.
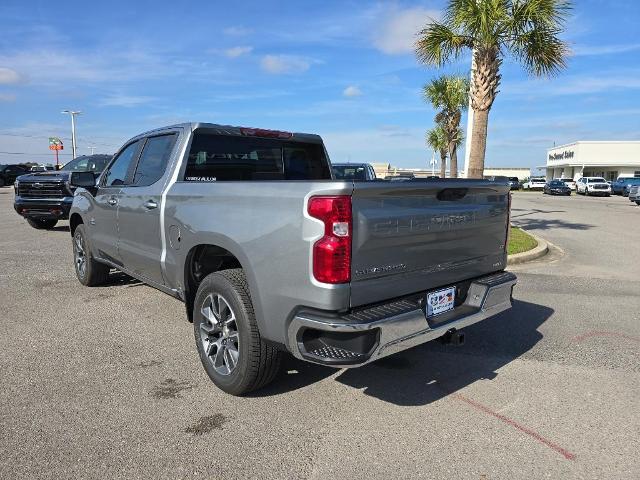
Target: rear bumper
{"x": 373, "y": 333}
{"x": 57, "y": 208}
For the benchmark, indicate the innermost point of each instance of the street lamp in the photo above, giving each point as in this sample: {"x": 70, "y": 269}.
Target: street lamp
{"x": 73, "y": 129}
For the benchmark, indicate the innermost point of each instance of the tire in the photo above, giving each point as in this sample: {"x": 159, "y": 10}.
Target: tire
{"x": 1, "y": 182}
{"x": 90, "y": 272}
{"x": 586, "y": 192}
{"x": 42, "y": 223}
{"x": 247, "y": 362}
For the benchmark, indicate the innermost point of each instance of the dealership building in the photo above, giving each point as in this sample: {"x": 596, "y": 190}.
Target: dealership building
{"x": 594, "y": 159}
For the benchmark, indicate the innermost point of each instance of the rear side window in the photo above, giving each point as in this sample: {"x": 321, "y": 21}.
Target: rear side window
{"x": 153, "y": 160}
{"x": 118, "y": 170}
{"x": 227, "y": 158}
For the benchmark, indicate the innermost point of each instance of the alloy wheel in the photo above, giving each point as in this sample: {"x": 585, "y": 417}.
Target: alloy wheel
{"x": 79, "y": 254}
{"x": 219, "y": 334}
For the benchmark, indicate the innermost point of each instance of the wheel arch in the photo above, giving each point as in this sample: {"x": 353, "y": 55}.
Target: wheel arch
{"x": 206, "y": 258}
{"x": 74, "y": 220}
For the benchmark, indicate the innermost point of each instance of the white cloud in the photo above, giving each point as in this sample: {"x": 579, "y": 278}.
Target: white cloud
{"x": 9, "y": 76}
{"x": 236, "y": 52}
{"x": 280, "y": 64}
{"x": 575, "y": 84}
{"x": 236, "y": 31}
{"x": 589, "y": 50}
{"x": 121, "y": 100}
{"x": 7, "y": 97}
{"x": 352, "y": 91}
{"x": 398, "y": 32}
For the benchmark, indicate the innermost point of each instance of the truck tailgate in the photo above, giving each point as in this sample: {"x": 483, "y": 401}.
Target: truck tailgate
{"x": 410, "y": 237}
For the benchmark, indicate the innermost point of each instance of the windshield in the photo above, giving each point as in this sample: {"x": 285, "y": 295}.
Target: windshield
{"x": 93, "y": 163}
{"x": 349, "y": 172}
{"x": 567, "y": 180}
{"x": 630, "y": 181}
{"x": 557, "y": 183}
{"x": 513, "y": 179}
{"x": 597, "y": 180}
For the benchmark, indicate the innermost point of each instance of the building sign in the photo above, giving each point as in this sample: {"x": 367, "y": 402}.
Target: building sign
{"x": 55, "y": 144}
{"x": 562, "y": 155}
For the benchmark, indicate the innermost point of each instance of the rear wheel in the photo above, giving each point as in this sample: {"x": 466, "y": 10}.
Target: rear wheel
{"x": 90, "y": 272}
{"x": 1, "y": 182}
{"x": 42, "y": 223}
{"x": 234, "y": 355}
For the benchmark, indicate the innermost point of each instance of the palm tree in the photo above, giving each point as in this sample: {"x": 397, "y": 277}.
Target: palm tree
{"x": 450, "y": 95}
{"x": 437, "y": 139}
{"x": 527, "y": 29}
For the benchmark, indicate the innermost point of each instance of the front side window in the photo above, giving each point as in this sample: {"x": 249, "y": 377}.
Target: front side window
{"x": 227, "y": 158}
{"x": 117, "y": 173}
{"x": 153, "y": 160}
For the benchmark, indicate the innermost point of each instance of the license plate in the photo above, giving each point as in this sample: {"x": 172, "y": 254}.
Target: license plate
{"x": 440, "y": 301}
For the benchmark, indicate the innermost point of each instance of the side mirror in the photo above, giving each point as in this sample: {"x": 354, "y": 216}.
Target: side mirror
{"x": 83, "y": 179}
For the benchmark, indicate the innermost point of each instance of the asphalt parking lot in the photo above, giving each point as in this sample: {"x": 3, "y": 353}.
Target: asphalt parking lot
{"x": 106, "y": 382}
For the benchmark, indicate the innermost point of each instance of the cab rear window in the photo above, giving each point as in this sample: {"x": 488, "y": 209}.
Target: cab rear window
{"x": 230, "y": 158}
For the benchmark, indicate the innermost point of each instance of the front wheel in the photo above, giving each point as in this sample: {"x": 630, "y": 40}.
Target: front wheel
{"x": 90, "y": 272}
{"x": 2, "y": 182}
{"x": 42, "y": 223}
{"x": 234, "y": 355}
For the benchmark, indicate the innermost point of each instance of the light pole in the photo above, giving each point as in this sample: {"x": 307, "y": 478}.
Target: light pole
{"x": 92, "y": 149}
{"x": 73, "y": 129}
{"x": 467, "y": 140}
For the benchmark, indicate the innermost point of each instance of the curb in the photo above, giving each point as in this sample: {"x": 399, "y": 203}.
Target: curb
{"x": 539, "y": 251}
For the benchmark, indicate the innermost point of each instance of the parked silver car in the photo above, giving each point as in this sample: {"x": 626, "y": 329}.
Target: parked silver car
{"x": 633, "y": 193}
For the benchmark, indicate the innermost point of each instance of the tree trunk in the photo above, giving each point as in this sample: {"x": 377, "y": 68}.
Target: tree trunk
{"x": 443, "y": 164}
{"x": 453, "y": 160}
{"x": 478, "y": 143}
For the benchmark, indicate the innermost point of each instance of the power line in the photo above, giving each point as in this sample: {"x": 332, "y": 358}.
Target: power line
{"x": 27, "y": 153}
{"x": 84, "y": 139}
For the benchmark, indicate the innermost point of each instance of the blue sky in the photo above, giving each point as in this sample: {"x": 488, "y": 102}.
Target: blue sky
{"x": 343, "y": 69}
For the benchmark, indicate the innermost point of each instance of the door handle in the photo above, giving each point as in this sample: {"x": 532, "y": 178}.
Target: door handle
{"x": 112, "y": 201}
{"x": 150, "y": 205}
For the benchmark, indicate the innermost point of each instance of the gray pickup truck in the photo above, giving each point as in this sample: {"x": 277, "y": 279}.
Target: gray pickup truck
{"x": 271, "y": 254}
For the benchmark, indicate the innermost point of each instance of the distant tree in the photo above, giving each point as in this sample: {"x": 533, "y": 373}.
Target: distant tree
{"x": 437, "y": 139}
{"x": 449, "y": 95}
{"x": 529, "y": 30}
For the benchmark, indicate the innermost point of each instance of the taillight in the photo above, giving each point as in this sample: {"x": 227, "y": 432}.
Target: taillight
{"x": 332, "y": 253}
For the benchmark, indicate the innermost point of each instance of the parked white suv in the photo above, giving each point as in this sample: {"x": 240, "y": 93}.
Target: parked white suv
{"x": 593, "y": 186}
{"x": 535, "y": 183}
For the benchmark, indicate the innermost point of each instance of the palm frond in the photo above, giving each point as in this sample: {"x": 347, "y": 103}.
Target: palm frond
{"x": 534, "y": 28}
{"x": 541, "y": 52}
{"x": 438, "y": 44}
{"x": 436, "y": 138}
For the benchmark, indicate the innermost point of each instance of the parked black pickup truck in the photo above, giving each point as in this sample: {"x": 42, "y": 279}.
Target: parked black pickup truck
{"x": 43, "y": 198}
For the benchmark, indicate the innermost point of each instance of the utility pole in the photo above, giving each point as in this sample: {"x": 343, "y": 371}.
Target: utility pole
{"x": 73, "y": 129}
{"x": 92, "y": 149}
{"x": 467, "y": 140}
